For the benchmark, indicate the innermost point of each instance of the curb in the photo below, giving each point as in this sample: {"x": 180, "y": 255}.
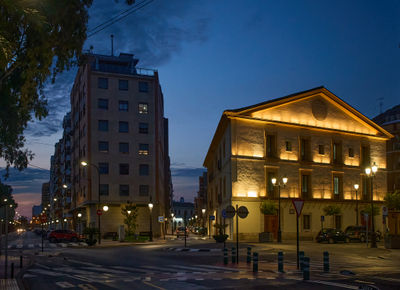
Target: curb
{"x": 191, "y": 250}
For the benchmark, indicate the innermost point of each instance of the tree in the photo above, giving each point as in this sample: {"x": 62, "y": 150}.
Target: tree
{"x": 367, "y": 210}
{"x": 392, "y": 200}
{"x": 38, "y": 40}
{"x": 268, "y": 207}
{"x": 130, "y": 212}
{"x": 332, "y": 210}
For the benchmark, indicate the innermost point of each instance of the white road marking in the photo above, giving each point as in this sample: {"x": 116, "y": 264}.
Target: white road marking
{"x": 45, "y": 272}
{"x": 133, "y": 269}
{"x": 106, "y": 270}
{"x": 346, "y": 286}
{"x": 198, "y": 269}
{"x": 220, "y": 268}
{"x": 83, "y": 263}
{"x": 64, "y": 284}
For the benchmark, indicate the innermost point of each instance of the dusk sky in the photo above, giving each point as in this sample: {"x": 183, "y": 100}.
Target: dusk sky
{"x": 218, "y": 55}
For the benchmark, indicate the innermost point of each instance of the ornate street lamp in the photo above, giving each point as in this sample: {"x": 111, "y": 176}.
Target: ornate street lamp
{"x": 356, "y": 186}
{"x": 151, "y": 223}
{"x": 371, "y": 171}
{"x": 284, "y": 181}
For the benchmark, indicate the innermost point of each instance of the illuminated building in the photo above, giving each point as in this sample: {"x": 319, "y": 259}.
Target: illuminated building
{"x": 316, "y": 140}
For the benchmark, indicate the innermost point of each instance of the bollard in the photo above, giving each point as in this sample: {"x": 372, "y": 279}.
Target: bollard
{"x": 225, "y": 256}
{"x": 255, "y": 262}
{"x": 233, "y": 255}
{"x": 301, "y": 258}
{"x": 248, "y": 260}
{"x": 20, "y": 261}
{"x": 306, "y": 268}
{"x": 326, "y": 262}
{"x": 280, "y": 262}
{"x": 12, "y": 270}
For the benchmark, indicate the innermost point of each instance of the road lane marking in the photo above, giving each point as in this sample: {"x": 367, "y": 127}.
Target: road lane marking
{"x": 87, "y": 287}
{"x": 65, "y": 284}
{"x": 346, "y": 286}
{"x": 152, "y": 285}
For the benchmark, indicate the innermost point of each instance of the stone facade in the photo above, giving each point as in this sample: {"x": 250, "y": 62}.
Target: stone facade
{"x": 320, "y": 143}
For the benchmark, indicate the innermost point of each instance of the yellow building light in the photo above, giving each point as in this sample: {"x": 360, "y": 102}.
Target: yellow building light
{"x": 252, "y": 193}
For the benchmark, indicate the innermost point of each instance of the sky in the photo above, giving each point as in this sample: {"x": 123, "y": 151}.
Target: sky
{"x": 217, "y": 55}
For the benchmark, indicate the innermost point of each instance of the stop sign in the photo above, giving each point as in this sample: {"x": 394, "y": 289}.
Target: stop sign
{"x": 99, "y": 212}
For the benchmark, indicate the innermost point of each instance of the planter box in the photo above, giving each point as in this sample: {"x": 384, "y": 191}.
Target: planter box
{"x": 392, "y": 242}
{"x": 265, "y": 237}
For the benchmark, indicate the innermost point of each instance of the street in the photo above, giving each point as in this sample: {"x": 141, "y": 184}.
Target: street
{"x": 167, "y": 264}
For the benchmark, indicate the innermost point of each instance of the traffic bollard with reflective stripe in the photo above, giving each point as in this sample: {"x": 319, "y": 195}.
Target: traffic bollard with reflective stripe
{"x": 306, "y": 268}
{"x": 248, "y": 255}
{"x": 225, "y": 256}
{"x": 255, "y": 262}
{"x": 326, "y": 262}
{"x": 301, "y": 260}
{"x": 233, "y": 255}
{"x": 280, "y": 262}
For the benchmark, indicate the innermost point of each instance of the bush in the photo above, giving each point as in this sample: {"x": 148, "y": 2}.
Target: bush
{"x": 392, "y": 200}
{"x": 331, "y": 210}
{"x": 268, "y": 207}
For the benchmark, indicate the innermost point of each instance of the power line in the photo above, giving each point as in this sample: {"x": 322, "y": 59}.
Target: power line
{"x": 119, "y": 17}
{"x": 32, "y": 165}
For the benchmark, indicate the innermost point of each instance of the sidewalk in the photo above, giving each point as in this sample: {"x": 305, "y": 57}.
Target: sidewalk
{"x": 10, "y": 283}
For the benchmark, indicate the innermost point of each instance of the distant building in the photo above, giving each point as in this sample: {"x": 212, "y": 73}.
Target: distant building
{"x": 390, "y": 121}
{"x": 36, "y": 210}
{"x": 200, "y": 201}
{"x": 45, "y": 194}
{"x": 182, "y": 211}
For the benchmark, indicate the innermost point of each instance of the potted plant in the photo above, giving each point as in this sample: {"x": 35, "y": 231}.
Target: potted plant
{"x": 90, "y": 233}
{"x": 220, "y": 237}
{"x": 269, "y": 209}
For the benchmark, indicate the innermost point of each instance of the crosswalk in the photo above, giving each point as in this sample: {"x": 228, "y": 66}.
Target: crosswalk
{"x": 22, "y": 246}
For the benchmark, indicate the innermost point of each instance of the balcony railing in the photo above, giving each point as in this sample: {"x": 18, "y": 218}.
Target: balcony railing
{"x": 122, "y": 69}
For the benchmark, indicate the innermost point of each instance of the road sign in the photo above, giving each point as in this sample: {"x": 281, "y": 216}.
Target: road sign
{"x": 212, "y": 217}
{"x": 242, "y": 212}
{"x": 160, "y": 219}
{"x": 223, "y": 212}
{"x": 385, "y": 211}
{"x": 230, "y": 211}
{"x": 298, "y": 205}
{"x": 99, "y": 212}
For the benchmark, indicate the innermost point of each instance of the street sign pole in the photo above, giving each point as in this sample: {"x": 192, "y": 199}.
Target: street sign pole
{"x": 298, "y": 206}
{"x": 297, "y": 240}
{"x": 237, "y": 235}
{"x": 42, "y": 237}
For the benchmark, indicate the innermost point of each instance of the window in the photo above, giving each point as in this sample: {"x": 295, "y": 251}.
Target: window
{"x": 143, "y": 87}
{"x": 305, "y": 186}
{"x": 143, "y": 108}
{"x": 143, "y": 169}
{"x": 270, "y": 186}
{"x": 143, "y": 149}
{"x": 103, "y": 125}
{"x": 337, "y": 186}
{"x": 123, "y": 85}
{"x": 123, "y": 106}
{"x": 288, "y": 146}
{"x": 124, "y": 189}
{"x": 102, "y": 104}
{"x": 103, "y": 189}
{"x": 304, "y": 149}
{"x": 351, "y": 152}
{"x": 338, "y": 222}
{"x": 124, "y": 147}
{"x": 143, "y": 190}
{"x": 271, "y": 146}
{"x": 103, "y": 168}
{"x": 337, "y": 153}
{"x": 365, "y": 156}
{"x": 306, "y": 222}
{"x": 102, "y": 83}
{"x": 143, "y": 128}
{"x": 321, "y": 149}
{"x": 123, "y": 127}
{"x": 124, "y": 169}
{"x": 103, "y": 146}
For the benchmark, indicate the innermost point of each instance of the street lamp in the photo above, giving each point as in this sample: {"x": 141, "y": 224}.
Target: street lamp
{"x": 105, "y": 208}
{"x": 79, "y": 222}
{"x": 151, "y": 224}
{"x": 84, "y": 163}
{"x": 371, "y": 171}
{"x": 172, "y": 223}
{"x": 203, "y": 211}
{"x": 284, "y": 181}
{"x": 356, "y": 186}
{"x": 129, "y": 211}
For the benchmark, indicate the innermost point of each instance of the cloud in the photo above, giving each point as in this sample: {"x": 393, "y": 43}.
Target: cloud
{"x": 26, "y": 201}
{"x": 187, "y": 172}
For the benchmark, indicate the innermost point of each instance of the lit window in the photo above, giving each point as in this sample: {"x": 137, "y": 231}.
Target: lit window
{"x": 143, "y": 108}
{"x": 144, "y": 149}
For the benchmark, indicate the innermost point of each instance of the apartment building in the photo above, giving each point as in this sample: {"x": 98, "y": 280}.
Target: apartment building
{"x": 317, "y": 141}
{"x": 119, "y": 129}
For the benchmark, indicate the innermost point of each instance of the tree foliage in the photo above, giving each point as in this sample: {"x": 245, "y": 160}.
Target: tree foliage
{"x": 368, "y": 211}
{"x": 331, "y": 210}
{"x": 392, "y": 200}
{"x": 268, "y": 207}
{"x": 38, "y": 40}
{"x": 130, "y": 212}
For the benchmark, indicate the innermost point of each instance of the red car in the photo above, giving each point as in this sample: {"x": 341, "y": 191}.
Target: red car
{"x": 62, "y": 235}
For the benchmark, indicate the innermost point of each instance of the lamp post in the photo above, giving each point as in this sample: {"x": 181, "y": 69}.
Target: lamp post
{"x": 172, "y": 223}
{"x": 151, "y": 222}
{"x": 84, "y": 163}
{"x": 371, "y": 171}
{"x": 284, "y": 181}
{"x": 79, "y": 223}
{"x": 356, "y": 186}
{"x": 203, "y": 211}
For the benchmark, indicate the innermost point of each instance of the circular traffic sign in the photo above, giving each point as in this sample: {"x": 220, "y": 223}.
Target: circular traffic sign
{"x": 99, "y": 212}
{"x": 230, "y": 211}
{"x": 243, "y": 212}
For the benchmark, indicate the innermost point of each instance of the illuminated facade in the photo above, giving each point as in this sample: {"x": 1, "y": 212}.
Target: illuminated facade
{"x": 316, "y": 140}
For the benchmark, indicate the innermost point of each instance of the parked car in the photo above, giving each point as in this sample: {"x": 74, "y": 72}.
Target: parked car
{"x": 331, "y": 236}
{"x": 181, "y": 231}
{"x": 358, "y": 233}
{"x": 62, "y": 235}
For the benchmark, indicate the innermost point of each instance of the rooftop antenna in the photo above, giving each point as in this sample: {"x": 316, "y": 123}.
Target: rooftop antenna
{"x": 380, "y": 105}
{"x": 112, "y": 44}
